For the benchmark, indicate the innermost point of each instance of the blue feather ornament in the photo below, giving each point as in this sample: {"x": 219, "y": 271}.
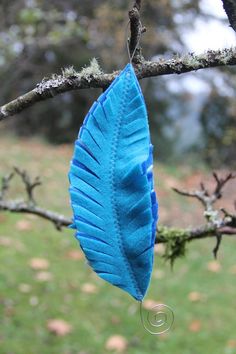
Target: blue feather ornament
{"x": 111, "y": 187}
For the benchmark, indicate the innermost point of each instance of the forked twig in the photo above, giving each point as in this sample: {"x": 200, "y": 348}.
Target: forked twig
{"x": 212, "y": 215}
{"x": 30, "y": 184}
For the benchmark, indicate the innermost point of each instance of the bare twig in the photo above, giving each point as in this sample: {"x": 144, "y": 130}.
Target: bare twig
{"x": 203, "y": 195}
{"x": 196, "y": 194}
{"x": 220, "y": 183}
{"x": 218, "y": 243}
{"x": 30, "y": 185}
{"x": 5, "y": 185}
{"x": 178, "y": 65}
{"x": 29, "y": 206}
{"x": 214, "y": 219}
{"x": 230, "y": 9}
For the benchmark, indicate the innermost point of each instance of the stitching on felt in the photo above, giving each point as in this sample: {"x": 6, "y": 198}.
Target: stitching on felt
{"x": 113, "y": 188}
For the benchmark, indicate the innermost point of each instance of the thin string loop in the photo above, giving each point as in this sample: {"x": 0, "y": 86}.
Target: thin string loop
{"x": 131, "y": 57}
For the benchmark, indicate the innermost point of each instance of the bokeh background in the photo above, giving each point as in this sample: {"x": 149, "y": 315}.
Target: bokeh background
{"x": 50, "y": 301}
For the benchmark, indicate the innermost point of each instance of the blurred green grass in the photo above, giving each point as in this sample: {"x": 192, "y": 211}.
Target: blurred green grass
{"x": 27, "y": 304}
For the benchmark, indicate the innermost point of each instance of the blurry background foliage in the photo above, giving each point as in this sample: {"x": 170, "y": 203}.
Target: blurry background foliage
{"x": 38, "y": 38}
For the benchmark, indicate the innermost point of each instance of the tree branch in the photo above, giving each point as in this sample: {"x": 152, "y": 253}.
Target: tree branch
{"x": 175, "y": 239}
{"x": 75, "y": 81}
{"x": 230, "y": 9}
{"x": 15, "y": 206}
{"x": 29, "y": 206}
{"x": 163, "y": 233}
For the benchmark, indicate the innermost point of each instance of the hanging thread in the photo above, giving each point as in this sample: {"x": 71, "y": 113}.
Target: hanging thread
{"x": 131, "y": 56}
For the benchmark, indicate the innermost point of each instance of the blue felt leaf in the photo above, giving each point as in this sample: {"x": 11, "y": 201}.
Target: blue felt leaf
{"x": 111, "y": 187}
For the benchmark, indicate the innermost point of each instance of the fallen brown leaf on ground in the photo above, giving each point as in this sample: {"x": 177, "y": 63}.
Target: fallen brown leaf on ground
{"x": 75, "y": 255}
{"x": 231, "y": 343}
{"x": 39, "y": 263}
{"x": 59, "y": 327}
{"x": 117, "y": 343}
{"x": 5, "y": 241}
{"x": 195, "y": 296}
{"x": 195, "y": 326}
{"x": 23, "y": 225}
{"x": 214, "y": 266}
{"x": 43, "y": 276}
{"x": 89, "y": 288}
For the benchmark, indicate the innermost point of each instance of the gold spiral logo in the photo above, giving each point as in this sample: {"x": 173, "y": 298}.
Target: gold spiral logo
{"x": 158, "y": 320}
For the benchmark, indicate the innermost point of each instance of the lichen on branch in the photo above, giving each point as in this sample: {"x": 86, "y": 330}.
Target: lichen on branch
{"x": 93, "y": 77}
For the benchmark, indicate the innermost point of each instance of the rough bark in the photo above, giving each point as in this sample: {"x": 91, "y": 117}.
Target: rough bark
{"x": 82, "y": 80}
